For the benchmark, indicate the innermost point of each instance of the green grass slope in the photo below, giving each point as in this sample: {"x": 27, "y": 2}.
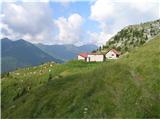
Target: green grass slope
{"x": 132, "y": 36}
{"x": 125, "y": 88}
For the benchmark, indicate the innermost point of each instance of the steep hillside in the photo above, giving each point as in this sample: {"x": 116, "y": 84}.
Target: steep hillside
{"x": 124, "y": 88}
{"x": 21, "y": 53}
{"x": 66, "y": 52}
{"x": 133, "y": 36}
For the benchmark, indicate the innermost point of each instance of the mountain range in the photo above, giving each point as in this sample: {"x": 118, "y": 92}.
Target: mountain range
{"x": 20, "y": 53}
{"x": 66, "y": 52}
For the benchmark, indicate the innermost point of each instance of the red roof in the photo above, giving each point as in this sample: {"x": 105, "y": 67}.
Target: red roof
{"x": 84, "y": 54}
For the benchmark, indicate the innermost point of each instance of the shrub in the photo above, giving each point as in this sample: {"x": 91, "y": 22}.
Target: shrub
{"x": 119, "y": 48}
{"x": 50, "y": 77}
{"x": 5, "y": 75}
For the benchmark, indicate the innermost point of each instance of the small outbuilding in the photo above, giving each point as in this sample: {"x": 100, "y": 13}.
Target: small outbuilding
{"x": 95, "y": 57}
{"x": 112, "y": 54}
{"x": 91, "y": 57}
{"x": 83, "y": 56}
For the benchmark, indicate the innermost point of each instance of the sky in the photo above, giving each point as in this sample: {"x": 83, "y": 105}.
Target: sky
{"x": 72, "y": 21}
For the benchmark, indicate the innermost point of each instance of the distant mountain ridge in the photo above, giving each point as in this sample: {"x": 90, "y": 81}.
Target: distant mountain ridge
{"x": 133, "y": 36}
{"x": 66, "y": 52}
{"x": 20, "y": 53}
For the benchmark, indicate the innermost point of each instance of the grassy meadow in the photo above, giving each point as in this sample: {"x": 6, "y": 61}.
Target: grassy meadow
{"x": 125, "y": 88}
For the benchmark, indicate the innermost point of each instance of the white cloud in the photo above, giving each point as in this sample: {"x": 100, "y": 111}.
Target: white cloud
{"x": 113, "y": 15}
{"x": 102, "y": 10}
{"x": 69, "y": 29}
{"x": 143, "y": 5}
{"x": 27, "y": 20}
{"x": 27, "y": 17}
{"x": 99, "y": 38}
{"x": 7, "y": 32}
{"x": 33, "y": 21}
{"x": 64, "y": 2}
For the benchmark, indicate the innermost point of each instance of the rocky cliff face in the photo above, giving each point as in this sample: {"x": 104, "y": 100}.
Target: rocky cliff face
{"x": 133, "y": 36}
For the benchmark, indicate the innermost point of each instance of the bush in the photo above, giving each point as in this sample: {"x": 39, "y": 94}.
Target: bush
{"x": 126, "y": 48}
{"x": 119, "y": 48}
{"x": 5, "y": 75}
{"x": 142, "y": 42}
{"x": 50, "y": 77}
{"x": 146, "y": 37}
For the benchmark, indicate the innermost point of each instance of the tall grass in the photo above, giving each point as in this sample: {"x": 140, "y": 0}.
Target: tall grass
{"x": 125, "y": 88}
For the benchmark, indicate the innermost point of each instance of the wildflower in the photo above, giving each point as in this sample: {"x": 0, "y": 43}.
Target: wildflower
{"x": 17, "y": 73}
